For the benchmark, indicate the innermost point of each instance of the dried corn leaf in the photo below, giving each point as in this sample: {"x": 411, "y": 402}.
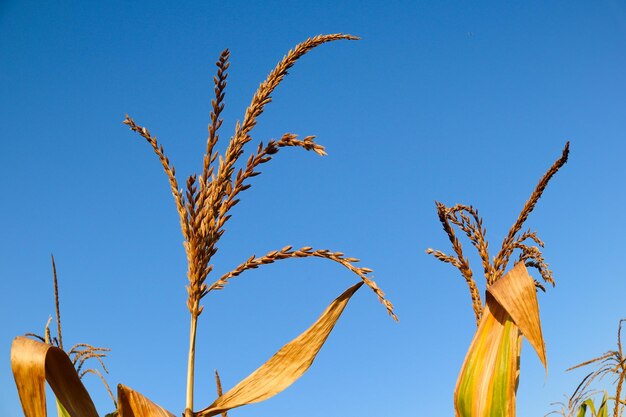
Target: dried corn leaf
{"x": 33, "y": 363}
{"x": 286, "y": 366}
{"x": 488, "y": 378}
{"x": 487, "y": 383}
{"x": 132, "y": 404}
{"x": 517, "y": 294}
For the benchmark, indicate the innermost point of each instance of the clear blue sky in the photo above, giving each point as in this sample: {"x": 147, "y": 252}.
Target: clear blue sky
{"x": 465, "y": 102}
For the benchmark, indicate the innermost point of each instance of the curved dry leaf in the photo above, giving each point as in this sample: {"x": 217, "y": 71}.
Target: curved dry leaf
{"x": 130, "y": 403}
{"x": 33, "y": 363}
{"x": 516, "y": 292}
{"x": 286, "y": 366}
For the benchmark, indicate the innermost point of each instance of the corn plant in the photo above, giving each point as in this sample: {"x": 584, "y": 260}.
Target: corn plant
{"x": 601, "y": 411}
{"x": 79, "y": 354}
{"x": 204, "y": 209}
{"x": 581, "y": 402}
{"x": 611, "y": 364}
{"x": 487, "y": 382}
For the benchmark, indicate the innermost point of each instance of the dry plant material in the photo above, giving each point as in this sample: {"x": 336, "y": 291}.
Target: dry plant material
{"x": 218, "y": 385}
{"x": 133, "y": 404}
{"x": 203, "y": 211}
{"x": 611, "y": 364}
{"x": 205, "y": 204}
{"x": 487, "y": 383}
{"x": 78, "y": 355}
{"x": 33, "y": 363}
{"x": 286, "y": 366}
{"x": 488, "y": 379}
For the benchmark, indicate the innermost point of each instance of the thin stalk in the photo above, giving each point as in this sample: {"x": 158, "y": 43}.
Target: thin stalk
{"x": 56, "y": 302}
{"x": 618, "y": 394}
{"x": 191, "y": 366}
{"x": 203, "y": 210}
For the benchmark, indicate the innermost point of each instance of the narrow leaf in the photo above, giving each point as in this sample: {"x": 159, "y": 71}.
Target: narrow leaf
{"x": 33, "y": 363}
{"x": 603, "y": 411}
{"x": 286, "y": 366}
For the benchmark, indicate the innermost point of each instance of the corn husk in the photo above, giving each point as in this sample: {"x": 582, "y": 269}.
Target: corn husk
{"x": 286, "y": 366}
{"x": 488, "y": 380}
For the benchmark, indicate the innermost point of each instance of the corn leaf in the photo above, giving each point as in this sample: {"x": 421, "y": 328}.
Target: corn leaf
{"x": 487, "y": 383}
{"x": 604, "y": 407}
{"x": 33, "y": 363}
{"x": 61, "y": 411}
{"x": 132, "y": 404}
{"x": 517, "y": 294}
{"x": 286, "y": 366}
{"x": 588, "y": 404}
{"x": 603, "y": 411}
{"x": 583, "y": 409}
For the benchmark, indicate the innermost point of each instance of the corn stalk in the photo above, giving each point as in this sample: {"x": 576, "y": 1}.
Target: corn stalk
{"x": 488, "y": 380}
{"x": 203, "y": 211}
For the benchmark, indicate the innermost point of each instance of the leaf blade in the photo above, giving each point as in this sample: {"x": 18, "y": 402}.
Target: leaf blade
{"x": 286, "y": 366}
{"x": 133, "y": 404}
{"x": 33, "y": 363}
{"x": 517, "y": 294}
{"x": 487, "y": 382}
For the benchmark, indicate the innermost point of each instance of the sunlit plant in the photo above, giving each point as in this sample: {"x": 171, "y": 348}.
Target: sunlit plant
{"x": 612, "y": 364}
{"x": 488, "y": 380}
{"x": 582, "y": 404}
{"x": 204, "y": 209}
{"x": 80, "y": 354}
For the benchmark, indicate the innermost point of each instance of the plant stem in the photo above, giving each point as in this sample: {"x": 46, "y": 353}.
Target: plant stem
{"x": 618, "y": 394}
{"x": 191, "y": 366}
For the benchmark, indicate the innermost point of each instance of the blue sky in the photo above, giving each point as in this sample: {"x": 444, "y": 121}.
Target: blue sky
{"x": 466, "y": 102}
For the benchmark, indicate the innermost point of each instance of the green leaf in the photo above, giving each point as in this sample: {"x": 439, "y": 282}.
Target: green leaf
{"x": 487, "y": 383}
{"x": 61, "y": 410}
{"x": 603, "y": 411}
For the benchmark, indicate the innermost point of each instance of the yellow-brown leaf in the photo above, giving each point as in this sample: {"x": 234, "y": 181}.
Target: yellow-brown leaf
{"x": 487, "y": 383}
{"x": 33, "y": 363}
{"x": 132, "y": 404}
{"x": 286, "y": 366}
{"x": 516, "y": 292}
